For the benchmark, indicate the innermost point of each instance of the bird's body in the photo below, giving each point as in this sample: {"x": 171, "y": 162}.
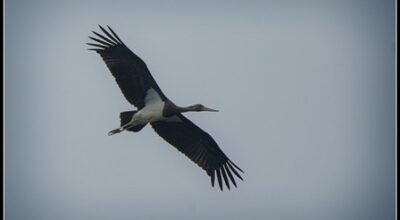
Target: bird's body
{"x": 141, "y": 90}
{"x": 155, "y": 109}
{"x": 150, "y": 113}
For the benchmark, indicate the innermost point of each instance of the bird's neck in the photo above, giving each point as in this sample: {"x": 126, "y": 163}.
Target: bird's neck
{"x": 185, "y": 109}
{"x": 171, "y": 109}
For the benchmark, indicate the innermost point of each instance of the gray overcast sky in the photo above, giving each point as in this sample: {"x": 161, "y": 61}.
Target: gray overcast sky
{"x": 305, "y": 91}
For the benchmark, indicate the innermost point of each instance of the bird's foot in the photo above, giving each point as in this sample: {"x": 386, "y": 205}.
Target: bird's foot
{"x": 115, "y": 131}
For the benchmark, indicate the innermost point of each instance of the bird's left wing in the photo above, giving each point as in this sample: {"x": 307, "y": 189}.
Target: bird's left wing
{"x": 200, "y": 147}
{"x": 131, "y": 73}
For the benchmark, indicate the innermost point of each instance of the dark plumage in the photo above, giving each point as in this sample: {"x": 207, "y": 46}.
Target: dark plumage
{"x": 135, "y": 80}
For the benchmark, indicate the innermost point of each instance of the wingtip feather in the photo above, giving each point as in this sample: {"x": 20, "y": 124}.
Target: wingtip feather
{"x": 219, "y": 178}
{"x": 229, "y": 161}
{"x": 234, "y": 171}
{"x": 115, "y": 35}
{"x": 212, "y": 178}
{"x": 230, "y": 175}
{"x": 225, "y": 177}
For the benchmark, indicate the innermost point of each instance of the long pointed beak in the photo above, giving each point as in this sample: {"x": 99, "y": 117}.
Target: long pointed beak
{"x": 210, "y": 109}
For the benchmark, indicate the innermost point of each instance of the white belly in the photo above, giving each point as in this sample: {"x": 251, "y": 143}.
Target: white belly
{"x": 153, "y": 110}
{"x": 150, "y": 113}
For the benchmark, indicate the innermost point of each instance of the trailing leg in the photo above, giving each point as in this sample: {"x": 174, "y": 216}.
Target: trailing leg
{"x": 115, "y": 131}
{"x": 128, "y": 126}
{"x": 126, "y": 117}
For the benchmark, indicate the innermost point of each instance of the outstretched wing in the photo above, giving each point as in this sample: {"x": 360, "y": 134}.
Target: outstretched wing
{"x": 200, "y": 147}
{"x": 131, "y": 73}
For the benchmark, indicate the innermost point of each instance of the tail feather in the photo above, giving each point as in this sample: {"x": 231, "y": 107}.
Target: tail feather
{"x": 126, "y": 117}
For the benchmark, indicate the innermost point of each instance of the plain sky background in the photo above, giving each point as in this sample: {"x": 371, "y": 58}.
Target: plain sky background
{"x": 305, "y": 91}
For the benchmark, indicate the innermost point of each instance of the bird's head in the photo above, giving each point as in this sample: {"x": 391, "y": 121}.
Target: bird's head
{"x": 200, "y": 108}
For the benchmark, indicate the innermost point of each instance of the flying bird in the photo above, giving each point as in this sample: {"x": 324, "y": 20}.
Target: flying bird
{"x": 154, "y": 108}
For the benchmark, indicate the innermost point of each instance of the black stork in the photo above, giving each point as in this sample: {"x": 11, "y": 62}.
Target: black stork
{"x": 141, "y": 90}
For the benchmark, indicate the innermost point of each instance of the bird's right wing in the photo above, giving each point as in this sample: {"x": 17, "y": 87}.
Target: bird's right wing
{"x": 131, "y": 73}
{"x": 200, "y": 147}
